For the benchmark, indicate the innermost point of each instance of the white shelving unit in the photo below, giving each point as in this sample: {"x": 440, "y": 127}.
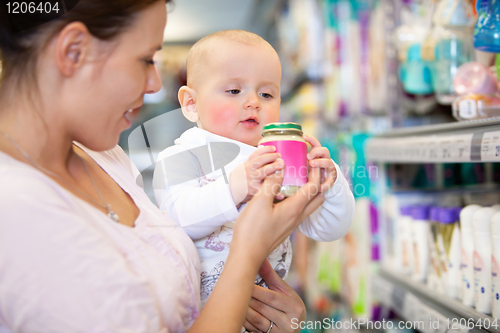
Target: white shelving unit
{"x": 469, "y": 141}
{"x": 416, "y": 303}
{"x": 460, "y": 142}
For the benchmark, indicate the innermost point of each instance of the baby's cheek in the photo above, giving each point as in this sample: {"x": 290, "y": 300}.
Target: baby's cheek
{"x": 222, "y": 116}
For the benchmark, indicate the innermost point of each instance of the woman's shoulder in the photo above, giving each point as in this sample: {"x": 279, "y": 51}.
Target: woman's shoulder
{"x": 28, "y": 197}
{"x": 18, "y": 178}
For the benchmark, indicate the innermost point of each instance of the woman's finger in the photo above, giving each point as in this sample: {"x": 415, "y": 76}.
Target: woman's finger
{"x": 249, "y": 327}
{"x": 270, "y": 186}
{"x": 271, "y": 278}
{"x": 313, "y": 181}
{"x": 279, "y": 196}
{"x": 314, "y": 204}
{"x": 280, "y": 303}
{"x": 257, "y": 320}
{"x": 295, "y": 205}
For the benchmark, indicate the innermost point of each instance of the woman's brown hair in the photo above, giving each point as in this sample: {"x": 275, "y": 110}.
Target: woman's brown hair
{"x": 105, "y": 19}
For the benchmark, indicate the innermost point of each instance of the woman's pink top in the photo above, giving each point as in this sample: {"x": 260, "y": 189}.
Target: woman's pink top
{"x": 67, "y": 267}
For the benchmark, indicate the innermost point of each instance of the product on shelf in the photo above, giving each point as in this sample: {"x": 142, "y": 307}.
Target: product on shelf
{"x": 453, "y": 50}
{"x": 482, "y": 259}
{"x": 414, "y": 73}
{"x": 474, "y": 78}
{"x": 449, "y": 250}
{"x": 478, "y": 88}
{"x": 420, "y": 233}
{"x": 434, "y": 276}
{"x": 495, "y": 259}
{"x": 467, "y": 243}
{"x": 476, "y": 106}
{"x": 487, "y": 29}
{"x": 404, "y": 246}
{"x": 454, "y": 13}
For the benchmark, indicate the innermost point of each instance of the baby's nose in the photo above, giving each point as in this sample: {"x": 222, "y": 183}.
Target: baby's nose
{"x": 253, "y": 102}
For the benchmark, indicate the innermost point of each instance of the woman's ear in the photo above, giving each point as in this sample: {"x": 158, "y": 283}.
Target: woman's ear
{"x": 72, "y": 47}
{"x": 187, "y": 99}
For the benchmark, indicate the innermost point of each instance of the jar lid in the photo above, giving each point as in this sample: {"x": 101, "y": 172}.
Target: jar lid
{"x": 292, "y": 126}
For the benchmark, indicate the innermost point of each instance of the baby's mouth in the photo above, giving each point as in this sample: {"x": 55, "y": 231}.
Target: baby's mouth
{"x": 250, "y": 122}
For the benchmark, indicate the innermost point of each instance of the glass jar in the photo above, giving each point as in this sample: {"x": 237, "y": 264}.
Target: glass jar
{"x": 287, "y": 138}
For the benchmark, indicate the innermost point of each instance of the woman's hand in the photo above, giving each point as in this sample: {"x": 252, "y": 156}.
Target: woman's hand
{"x": 259, "y": 229}
{"x": 279, "y": 304}
{"x": 262, "y": 226}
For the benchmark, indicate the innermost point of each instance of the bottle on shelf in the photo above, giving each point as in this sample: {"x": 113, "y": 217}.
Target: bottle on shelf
{"x": 449, "y": 251}
{"x": 434, "y": 276}
{"x": 467, "y": 245}
{"x": 404, "y": 244}
{"x": 420, "y": 233}
{"x": 482, "y": 259}
{"x": 487, "y": 29}
{"x": 495, "y": 259}
{"x": 453, "y": 50}
{"x": 414, "y": 73}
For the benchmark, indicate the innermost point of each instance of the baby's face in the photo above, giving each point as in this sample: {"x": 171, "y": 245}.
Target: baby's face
{"x": 239, "y": 91}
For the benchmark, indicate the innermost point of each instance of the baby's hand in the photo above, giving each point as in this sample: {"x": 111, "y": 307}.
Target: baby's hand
{"x": 319, "y": 157}
{"x": 247, "y": 178}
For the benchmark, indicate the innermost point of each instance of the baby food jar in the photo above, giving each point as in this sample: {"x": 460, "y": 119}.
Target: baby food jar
{"x": 287, "y": 138}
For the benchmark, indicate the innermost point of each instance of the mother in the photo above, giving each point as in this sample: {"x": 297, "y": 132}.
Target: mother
{"x": 82, "y": 249}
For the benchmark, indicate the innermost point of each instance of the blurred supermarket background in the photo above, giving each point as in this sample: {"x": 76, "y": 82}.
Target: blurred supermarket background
{"x": 405, "y": 95}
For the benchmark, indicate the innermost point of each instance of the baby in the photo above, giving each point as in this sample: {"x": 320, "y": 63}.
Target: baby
{"x": 205, "y": 179}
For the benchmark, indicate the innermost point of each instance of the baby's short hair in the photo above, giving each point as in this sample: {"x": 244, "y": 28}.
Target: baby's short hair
{"x": 194, "y": 61}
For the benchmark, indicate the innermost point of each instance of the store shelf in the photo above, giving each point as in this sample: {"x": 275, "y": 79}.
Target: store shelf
{"x": 468, "y": 141}
{"x": 414, "y": 302}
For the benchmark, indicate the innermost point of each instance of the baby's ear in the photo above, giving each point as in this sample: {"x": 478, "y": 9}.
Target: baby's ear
{"x": 187, "y": 99}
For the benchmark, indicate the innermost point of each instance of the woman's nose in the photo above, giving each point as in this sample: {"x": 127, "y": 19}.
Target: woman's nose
{"x": 153, "y": 84}
{"x": 253, "y": 102}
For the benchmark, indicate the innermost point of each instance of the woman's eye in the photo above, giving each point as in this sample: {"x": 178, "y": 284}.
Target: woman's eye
{"x": 150, "y": 62}
{"x": 266, "y": 95}
{"x": 234, "y": 91}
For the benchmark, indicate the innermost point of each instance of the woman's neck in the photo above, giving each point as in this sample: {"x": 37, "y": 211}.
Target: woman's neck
{"x": 42, "y": 140}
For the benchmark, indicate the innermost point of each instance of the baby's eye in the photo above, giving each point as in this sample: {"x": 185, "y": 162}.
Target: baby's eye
{"x": 234, "y": 91}
{"x": 266, "y": 95}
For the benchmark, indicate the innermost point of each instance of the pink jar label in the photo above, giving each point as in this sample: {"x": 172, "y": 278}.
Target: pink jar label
{"x": 294, "y": 154}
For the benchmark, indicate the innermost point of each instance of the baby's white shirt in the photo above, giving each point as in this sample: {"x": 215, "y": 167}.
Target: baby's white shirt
{"x": 191, "y": 184}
